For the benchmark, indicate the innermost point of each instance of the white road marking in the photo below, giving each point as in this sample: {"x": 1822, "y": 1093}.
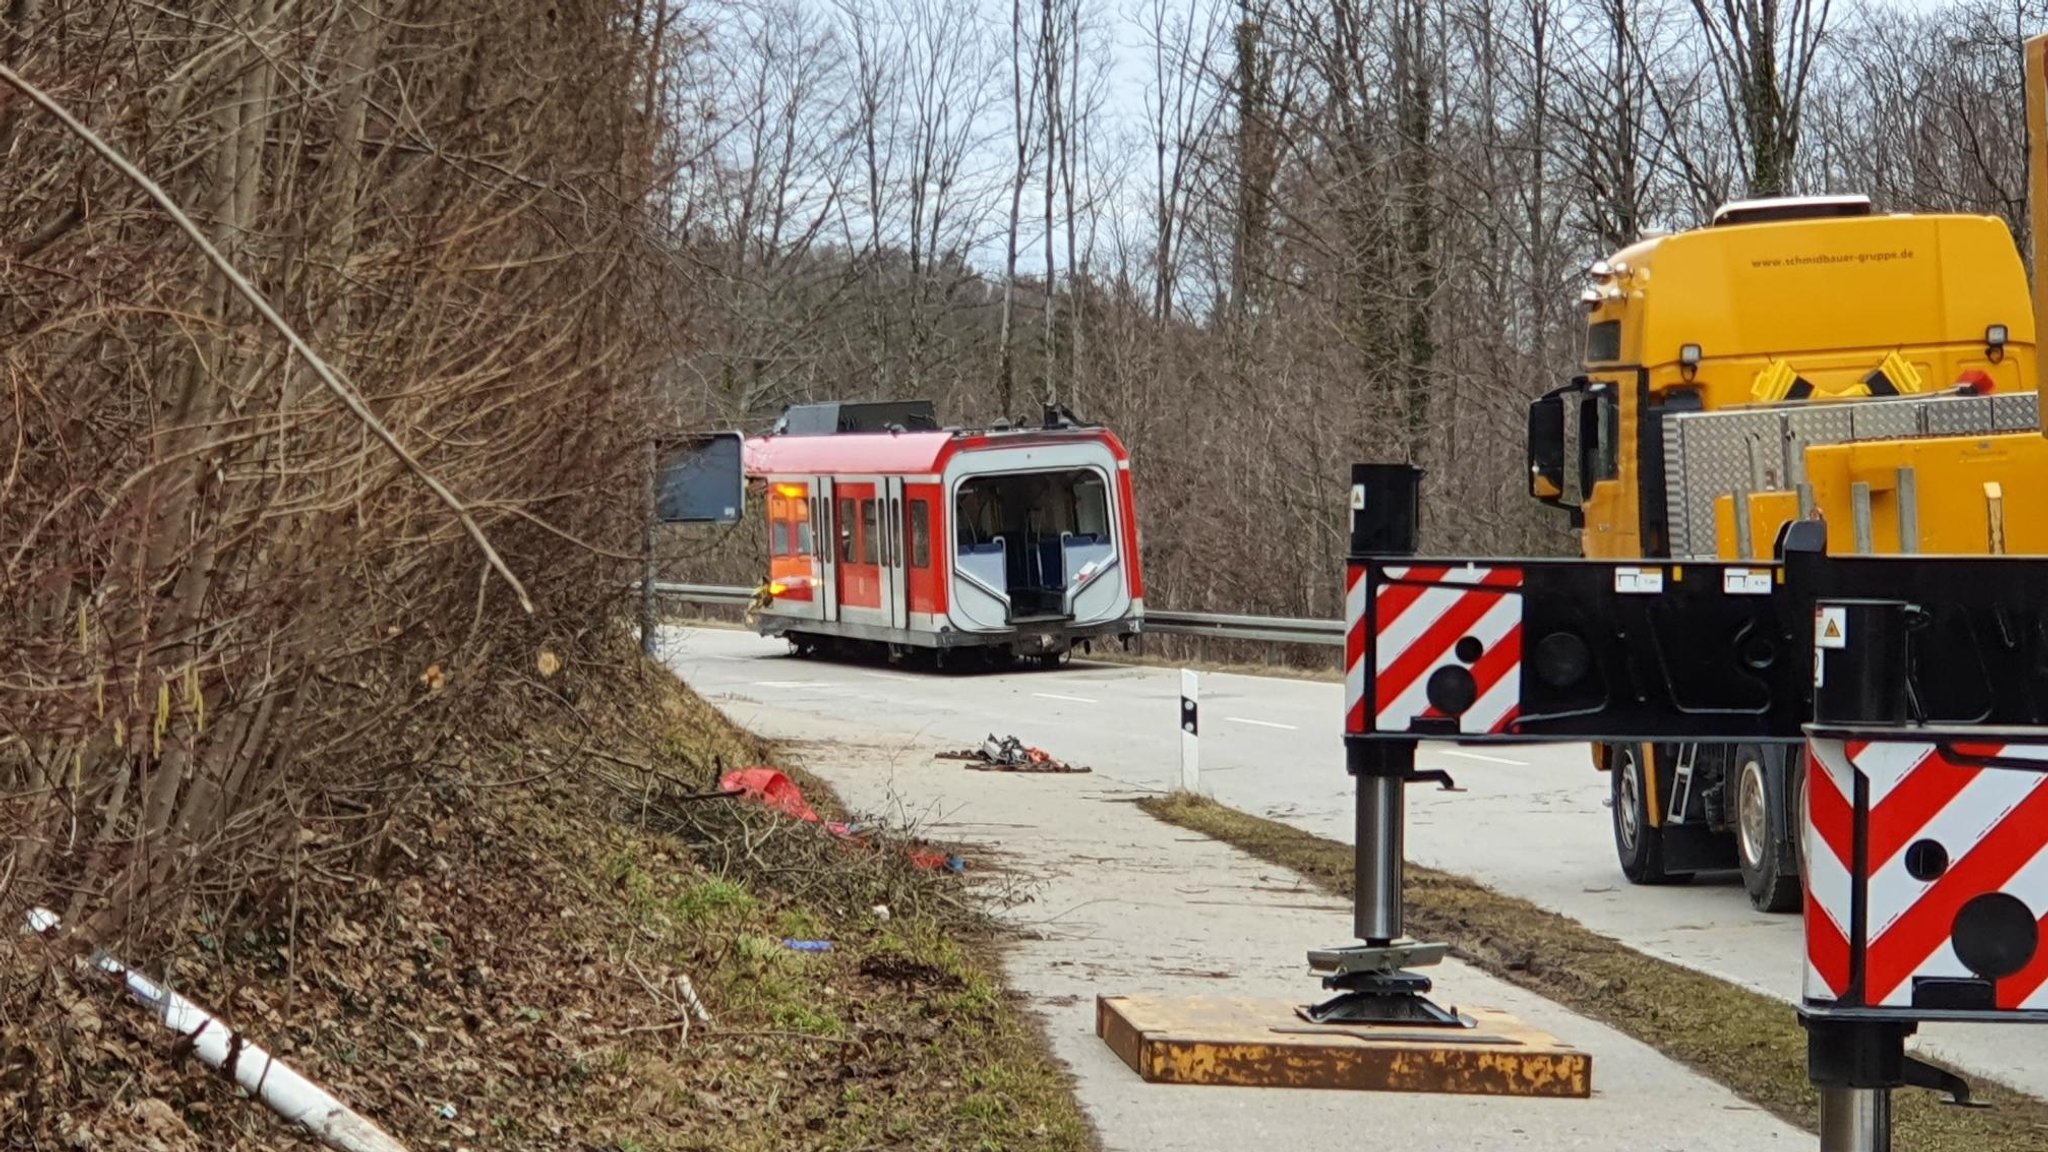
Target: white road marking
{"x": 1057, "y": 696}
{"x": 1485, "y": 759}
{"x": 1260, "y": 723}
{"x": 795, "y": 684}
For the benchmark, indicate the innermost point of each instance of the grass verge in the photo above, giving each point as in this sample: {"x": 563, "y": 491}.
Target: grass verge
{"x": 1746, "y": 1041}
{"x": 518, "y": 970}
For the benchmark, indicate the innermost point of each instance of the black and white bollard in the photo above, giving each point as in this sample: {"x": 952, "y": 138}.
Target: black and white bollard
{"x": 1190, "y": 731}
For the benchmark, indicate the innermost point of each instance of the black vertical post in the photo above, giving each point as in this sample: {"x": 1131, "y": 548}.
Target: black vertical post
{"x": 1859, "y": 651}
{"x": 1386, "y": 512}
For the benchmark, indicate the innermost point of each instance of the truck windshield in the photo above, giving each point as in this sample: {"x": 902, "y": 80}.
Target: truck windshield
{"x": 1603, "y": 342}
{"x": 1603, "y": 448}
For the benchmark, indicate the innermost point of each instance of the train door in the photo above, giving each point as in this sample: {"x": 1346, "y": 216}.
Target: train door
{"x": 825, "y": 548}
{"x": 895, "y": 580}
{"x": 857, "y": 524}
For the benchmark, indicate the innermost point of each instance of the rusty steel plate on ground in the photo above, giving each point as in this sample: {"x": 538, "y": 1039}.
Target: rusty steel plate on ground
{"x": 1263, "y": 1044}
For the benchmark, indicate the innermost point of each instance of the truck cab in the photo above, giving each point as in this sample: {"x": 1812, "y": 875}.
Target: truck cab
{"x": 1713, "y": 360}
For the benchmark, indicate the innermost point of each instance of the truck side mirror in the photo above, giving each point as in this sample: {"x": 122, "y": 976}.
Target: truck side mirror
{"x": 1546, "y": 449}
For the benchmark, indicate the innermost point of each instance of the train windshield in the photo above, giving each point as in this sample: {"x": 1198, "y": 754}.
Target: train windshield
{"x": 1033, "y": 535}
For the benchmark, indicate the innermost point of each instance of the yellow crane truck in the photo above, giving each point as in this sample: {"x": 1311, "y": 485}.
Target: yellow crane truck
{"x": 1795, "y": 358}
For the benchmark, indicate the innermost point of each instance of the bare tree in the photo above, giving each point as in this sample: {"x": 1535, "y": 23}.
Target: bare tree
{"x": 1027, "y": 80}
{"x": 1763, "y": 54}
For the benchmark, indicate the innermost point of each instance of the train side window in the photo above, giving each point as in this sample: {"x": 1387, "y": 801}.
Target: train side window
{"x": 846, "y": 529}
{"x": 1091, "y": 508}
{"x": 780, "y": 530}
{"x": 803, "y": 538}
{"x": 920, "y": 534}
{"x": 867, "y": 532}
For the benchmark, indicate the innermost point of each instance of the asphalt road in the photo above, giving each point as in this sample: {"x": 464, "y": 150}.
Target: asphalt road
{"x": 1532, "y": 820}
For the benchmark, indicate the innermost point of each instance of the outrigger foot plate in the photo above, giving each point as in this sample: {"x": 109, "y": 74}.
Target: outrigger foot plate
{"x": 1382, "y": 998}
{"x": 1393, "y": 957}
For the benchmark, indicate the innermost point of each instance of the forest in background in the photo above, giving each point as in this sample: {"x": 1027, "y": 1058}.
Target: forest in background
{"x": 1262, "y": 239}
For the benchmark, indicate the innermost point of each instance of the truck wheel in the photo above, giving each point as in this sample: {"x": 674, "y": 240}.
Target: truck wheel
{"x": 1761, "y": 826}
{"x": 1639, "y": 845}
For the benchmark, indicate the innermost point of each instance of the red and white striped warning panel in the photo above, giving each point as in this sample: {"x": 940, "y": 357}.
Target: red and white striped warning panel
{"x": 1446, "y": 649}
{"x": 1354, "y": 648}
{"x": 1954, "y": 885}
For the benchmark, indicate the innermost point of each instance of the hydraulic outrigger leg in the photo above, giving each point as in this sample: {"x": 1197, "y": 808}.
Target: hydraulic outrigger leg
{"x": 1855, "y": 1065}
{"x": 1372, "y": 980}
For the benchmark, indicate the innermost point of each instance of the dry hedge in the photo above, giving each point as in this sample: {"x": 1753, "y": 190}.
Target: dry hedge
{"x": 226, "y": 609}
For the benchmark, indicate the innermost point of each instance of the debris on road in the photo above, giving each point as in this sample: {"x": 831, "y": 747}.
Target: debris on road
{"x": 777, "y": 792}
{"x": 1009, "y": 754}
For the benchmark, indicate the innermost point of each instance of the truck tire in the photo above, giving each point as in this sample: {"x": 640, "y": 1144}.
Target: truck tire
{"x": 1766, "y": 843}
{"x": 1638, "y": 844}
{"x": 1799, "y": 803}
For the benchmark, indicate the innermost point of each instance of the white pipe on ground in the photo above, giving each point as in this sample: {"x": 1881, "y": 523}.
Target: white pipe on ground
{"x": 262, "y": 1075}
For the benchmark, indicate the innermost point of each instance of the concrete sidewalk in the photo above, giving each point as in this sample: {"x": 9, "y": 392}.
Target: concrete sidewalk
{"x": 1124, "y": 904}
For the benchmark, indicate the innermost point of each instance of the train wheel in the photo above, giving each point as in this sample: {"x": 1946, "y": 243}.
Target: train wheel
{"x": 1638, "y": 844}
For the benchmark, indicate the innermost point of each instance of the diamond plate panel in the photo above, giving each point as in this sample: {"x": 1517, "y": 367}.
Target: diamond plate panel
{"x": 2016, "y": 412}
{"x": 1959, "y": 416}
{"x": 1718, "y": 453}
{"x": 1708, "y": 455}
{"x": 1886, "y": 419}
{"x": 1678, "y": 525}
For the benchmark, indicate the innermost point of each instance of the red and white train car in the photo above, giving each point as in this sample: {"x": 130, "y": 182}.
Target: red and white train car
{"x": 1019, "y": 541}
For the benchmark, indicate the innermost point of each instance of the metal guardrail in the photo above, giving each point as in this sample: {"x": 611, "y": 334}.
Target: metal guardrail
{"x": 706, "y": 593}
{"x": 1215, "y": 625}
{"x": 1270, "y": 629}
